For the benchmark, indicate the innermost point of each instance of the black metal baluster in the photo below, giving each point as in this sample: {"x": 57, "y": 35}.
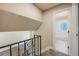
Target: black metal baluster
{"x": 27, "y": 53}
{"x": 40, "y": 45}
{"x": 18, "y": 50}
{"x": 32, "y": 47}
{"x": 10, "y": 51}
{"x": 37, "y": 45}
{"x": 36, "y": 41}
{"x": 25, "y": 48}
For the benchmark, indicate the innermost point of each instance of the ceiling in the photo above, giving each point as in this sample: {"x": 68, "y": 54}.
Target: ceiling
{"x": 45, "y": 6}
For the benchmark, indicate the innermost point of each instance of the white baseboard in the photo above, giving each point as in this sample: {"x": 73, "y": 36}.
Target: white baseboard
{"x": 46, "y": 49}
{"x": 52, "y": 48}
{"x": 57, "y": 51}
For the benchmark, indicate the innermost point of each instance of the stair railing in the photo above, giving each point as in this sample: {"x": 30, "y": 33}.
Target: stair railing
{"x": 32, "y": 46}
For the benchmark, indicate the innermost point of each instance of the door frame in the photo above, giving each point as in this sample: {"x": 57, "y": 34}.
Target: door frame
{"x": 74, "y": 29}
{"x": 69, "y": 41}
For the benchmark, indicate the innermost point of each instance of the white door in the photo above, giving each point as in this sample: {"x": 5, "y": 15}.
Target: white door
{"x": 61, "y": 31}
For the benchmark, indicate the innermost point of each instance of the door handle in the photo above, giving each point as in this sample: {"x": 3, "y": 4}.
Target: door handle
{"x": 76, "y": 34}
{"x": 68, "y": 47}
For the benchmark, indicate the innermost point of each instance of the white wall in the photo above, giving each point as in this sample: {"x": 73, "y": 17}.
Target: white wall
{"x": 45, "y": 31}
{"x": 12, "y": 37}
{"x": 24, "y": 9}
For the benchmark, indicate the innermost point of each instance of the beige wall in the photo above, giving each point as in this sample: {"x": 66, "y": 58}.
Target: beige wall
{"x": 25, "y": 9}
{"x": 45, "y": 29}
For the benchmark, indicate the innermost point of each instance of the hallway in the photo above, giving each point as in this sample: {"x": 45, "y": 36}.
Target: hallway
{"x": 53, "y": 22}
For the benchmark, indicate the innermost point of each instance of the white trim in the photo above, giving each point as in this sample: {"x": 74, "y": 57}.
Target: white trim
{"x": 69, "y": 9}
{"x": 46, "y": 49}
